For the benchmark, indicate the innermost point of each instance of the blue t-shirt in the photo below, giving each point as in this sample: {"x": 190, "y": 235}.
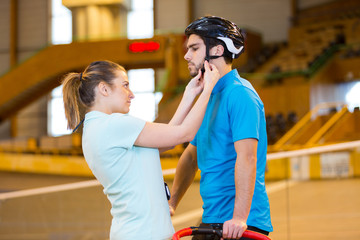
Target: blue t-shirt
{"x": 234, "y": 112}
{"x": 131, "y": 176}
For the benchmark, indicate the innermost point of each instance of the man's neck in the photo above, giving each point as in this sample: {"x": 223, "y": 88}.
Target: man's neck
{"x": 224, "y": 69}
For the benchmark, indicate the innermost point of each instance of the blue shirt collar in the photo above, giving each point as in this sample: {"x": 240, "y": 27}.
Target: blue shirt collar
{"x": 230, "y": 76}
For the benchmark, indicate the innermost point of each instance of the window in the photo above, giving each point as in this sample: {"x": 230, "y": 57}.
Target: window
{"x": 61, "y": 33}
{"x": 142, "y": 84}
{"x": 57, "y": 123}
{"x": 140, "y": 19}
{"x": 353, "y": 96}
{"x": 61, "y": 28}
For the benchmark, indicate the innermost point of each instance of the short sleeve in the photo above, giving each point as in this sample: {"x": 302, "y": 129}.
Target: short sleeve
{"x": 244, "y": 113}
{"x": 124, "y": 129}
{"x": 193, "y": 142}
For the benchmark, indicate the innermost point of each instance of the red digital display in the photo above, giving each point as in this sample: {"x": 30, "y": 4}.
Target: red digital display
{"x": 139, "y": 47}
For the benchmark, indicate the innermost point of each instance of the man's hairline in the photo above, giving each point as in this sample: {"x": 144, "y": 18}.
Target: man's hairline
{"x": 203, "y": 39}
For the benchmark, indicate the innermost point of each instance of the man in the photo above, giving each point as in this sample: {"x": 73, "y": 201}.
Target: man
{"x": 231, "y": 144}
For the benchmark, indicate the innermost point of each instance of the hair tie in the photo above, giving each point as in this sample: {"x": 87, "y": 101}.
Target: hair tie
{"x": 81, "y": 76}
{"x": 77, "y": 126}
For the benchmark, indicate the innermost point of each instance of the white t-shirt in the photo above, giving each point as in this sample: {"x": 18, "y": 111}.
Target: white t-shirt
{"x": 131, "y": 176}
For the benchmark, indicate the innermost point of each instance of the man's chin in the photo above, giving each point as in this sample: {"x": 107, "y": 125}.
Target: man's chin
{"x": 193, "y": 73}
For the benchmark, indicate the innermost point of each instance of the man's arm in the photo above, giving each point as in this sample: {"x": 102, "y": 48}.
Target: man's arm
{"x": 184, "y": 176}
{"x": 245, "y": 175}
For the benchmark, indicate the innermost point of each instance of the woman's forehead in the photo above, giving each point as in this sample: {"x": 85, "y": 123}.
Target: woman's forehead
{"x": 122, "y": 75}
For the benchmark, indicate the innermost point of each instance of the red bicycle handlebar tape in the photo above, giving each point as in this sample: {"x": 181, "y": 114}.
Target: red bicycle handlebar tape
{"x": 182, "y": 233}
{"x": 249, "y": 234}
{"x": 255, "y": 235}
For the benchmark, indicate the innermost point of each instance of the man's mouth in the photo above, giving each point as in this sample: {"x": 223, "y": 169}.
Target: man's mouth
{"x": 191, "y": 65}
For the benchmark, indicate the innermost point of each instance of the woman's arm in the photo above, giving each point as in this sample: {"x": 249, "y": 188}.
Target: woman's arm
{"x": 192, "y": 90}
{"x": 157, "y": 135}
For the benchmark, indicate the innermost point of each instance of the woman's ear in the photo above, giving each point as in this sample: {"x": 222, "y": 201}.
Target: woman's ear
{"x": 103, "y": 89}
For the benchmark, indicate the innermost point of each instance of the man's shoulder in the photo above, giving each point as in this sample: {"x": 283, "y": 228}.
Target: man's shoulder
{"x": 240, "y": 93}
{"x": 241, "y": 86}
{"x": 238, "y": 89}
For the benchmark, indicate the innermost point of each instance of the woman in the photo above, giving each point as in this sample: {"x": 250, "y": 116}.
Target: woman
{"x": 123, "y": 151}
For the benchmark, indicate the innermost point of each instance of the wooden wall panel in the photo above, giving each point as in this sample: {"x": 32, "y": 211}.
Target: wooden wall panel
{"x": 270, "y": 18}
{"x": 33, "y": 25}
{"x": 4, "y": 35}
{"x": 286, "y": 98}
{"x": 303, "y": 4}
{"x": 171, "y": 16}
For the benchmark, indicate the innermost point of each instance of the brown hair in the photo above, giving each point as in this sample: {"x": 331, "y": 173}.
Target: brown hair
{"x": 78, "y": 88}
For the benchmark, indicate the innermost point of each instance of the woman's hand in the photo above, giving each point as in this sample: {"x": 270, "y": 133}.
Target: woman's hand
{"x": 202, "y": 81}
{"x": 211, "y": 76}
{"x": 195, "y": 86}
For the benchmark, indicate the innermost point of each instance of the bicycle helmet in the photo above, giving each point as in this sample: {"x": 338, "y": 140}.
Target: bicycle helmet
{"x": 219, "y": 28}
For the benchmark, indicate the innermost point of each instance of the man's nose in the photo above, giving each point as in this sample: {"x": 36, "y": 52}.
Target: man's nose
{"x": 187, "y": 56}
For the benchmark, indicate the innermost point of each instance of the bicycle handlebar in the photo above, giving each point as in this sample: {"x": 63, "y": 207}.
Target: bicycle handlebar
{"x": 200, "y": 230}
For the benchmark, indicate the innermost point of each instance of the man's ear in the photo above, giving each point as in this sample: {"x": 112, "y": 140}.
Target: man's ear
{"x": 103, "y": 89}
{"x": 217, "y": 50}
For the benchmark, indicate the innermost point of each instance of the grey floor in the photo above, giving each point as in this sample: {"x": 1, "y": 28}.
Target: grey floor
{"x": 323, "y": 209}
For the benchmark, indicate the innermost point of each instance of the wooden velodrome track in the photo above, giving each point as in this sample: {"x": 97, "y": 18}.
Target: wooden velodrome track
{"x": 322, "y": 209}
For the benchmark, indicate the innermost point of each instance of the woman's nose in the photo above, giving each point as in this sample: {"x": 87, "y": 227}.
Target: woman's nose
{"x": 131, "y": 94}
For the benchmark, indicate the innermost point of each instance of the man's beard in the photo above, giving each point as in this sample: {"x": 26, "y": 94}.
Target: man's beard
{"x": 196, "y": 70}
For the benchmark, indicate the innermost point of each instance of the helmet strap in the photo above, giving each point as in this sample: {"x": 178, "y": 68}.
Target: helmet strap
{"x": 208, "y": 57}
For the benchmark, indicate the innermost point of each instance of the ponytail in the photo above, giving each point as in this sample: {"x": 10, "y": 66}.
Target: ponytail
{"x": 71, "y": 84}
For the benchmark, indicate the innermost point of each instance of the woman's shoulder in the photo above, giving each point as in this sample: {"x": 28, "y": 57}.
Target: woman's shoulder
{"x": 125, "y": 120}
{"x": 124, "y": 117}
